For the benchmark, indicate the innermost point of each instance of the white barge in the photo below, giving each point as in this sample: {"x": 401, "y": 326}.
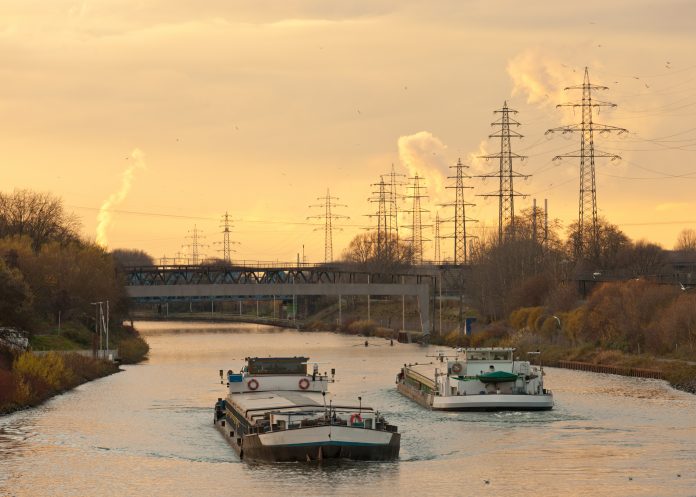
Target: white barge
{"x": 276, "y": 412}
{"x": 477, "y": 379}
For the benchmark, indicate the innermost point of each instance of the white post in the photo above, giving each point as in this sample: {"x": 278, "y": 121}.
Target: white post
{"x": 107, "y": 325}
{"x": 294, "y": 298}
{"x": 403, "y": 309}
{"x": 368, "y": 299}
{"x": 440, "y": 289}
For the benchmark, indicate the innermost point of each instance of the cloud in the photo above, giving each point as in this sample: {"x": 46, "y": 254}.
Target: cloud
{"x": 104, "y": 216}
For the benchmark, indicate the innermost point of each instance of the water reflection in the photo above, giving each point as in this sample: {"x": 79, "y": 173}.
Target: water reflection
{"x": 148, "y": 431}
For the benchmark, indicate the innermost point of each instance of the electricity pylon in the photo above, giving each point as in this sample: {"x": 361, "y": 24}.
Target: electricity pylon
{"x": 328, "y": 216}
{"x": 459, "y": 219}
{"x": 393, "y": 203}
{"x": 587, "y": 153}
{"x": 383, "y": 200}
{"x": 194, "y": 247}
{"x": 226, "y": 248}
{"x": 506, "y": 174}
{"x": 417, "y": 225}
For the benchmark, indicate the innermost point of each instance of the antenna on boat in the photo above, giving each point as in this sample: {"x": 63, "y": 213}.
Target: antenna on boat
{"x": 359, "y": 405}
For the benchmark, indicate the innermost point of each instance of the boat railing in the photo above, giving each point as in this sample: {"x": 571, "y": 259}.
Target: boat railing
{"x": 278, "y": 409}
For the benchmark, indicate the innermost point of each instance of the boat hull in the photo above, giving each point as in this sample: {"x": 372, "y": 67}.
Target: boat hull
{"x": 494, "y": 402}
{"x": 314, "y": 444}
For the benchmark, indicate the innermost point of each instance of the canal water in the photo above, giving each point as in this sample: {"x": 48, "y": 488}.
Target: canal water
{"x": 148, "y": 431}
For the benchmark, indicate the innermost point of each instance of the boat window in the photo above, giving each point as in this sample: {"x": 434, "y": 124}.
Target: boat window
{"x": 278, "y": 365}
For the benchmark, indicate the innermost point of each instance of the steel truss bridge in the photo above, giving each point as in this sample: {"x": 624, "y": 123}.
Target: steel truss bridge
{"x": 202, "y": 282}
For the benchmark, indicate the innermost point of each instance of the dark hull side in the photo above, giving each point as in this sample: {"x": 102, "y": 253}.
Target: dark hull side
{"x": 253, "y": 451}
{"x": 249, "y": 448}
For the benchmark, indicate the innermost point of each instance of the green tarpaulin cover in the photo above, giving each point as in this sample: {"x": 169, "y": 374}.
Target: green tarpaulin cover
{"x": 496, "y": 377}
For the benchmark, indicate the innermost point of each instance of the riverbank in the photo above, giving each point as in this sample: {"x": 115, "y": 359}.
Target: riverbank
{"x": 27, "y": 380}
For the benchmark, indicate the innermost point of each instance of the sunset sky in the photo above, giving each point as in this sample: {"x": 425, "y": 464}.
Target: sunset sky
{"x": 172, "y": 112}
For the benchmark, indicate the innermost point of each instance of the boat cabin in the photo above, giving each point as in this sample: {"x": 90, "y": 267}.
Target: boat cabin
{"x": 263, "y": 374}
{"x": 477, "y": 361}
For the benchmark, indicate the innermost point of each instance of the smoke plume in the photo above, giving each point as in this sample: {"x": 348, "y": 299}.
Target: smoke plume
{"x": 424, "y": 154}
{"x": 104, "y": 217}
{"x": 541, "y": 78}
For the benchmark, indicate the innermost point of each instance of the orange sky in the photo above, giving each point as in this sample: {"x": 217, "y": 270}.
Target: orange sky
{"x": 256, "y": 107}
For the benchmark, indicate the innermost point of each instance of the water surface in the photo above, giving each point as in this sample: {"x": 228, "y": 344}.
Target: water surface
{"x": 148, "y": 430}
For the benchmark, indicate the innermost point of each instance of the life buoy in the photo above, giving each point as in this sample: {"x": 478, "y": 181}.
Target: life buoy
{"x": 304, "y": 384}
{"x": 456, "y": 368}
{"x": 252, "y": 384}
{"x": 354, "y": 418}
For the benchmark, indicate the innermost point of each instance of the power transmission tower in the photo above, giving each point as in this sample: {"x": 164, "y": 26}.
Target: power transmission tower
{"x": 195, "y": 245}
{"x": 437, "y": 238}
{"x": 506, "y": 174}
{"x": 587, "y": 153}
{"x": 417, "y": 225}
{"x": 226, "y": 248}
{"x": 328, "y": 216}
{"x": 394, "y": 198}
{"x": 460, "y": 219}
{"x": 382, "y": 198}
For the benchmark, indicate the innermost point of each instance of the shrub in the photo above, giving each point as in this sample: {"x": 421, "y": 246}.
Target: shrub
{"x": 49, "y": 369}
{"x": 132, "y": 349}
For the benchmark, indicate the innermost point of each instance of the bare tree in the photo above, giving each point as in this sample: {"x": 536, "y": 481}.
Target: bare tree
{"x": 686, "y": 241}
{"x": 612, "y": 241}
{"x": 40, "y": 216}
{"x": 375, "y": 254}
{"x": 132, "y": 257}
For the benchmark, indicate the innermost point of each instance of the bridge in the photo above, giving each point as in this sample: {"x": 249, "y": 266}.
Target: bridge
{"x": 240, "y": 282}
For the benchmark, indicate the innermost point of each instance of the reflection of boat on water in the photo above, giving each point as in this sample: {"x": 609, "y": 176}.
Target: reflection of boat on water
{"x": 477, "y": 379}
{"x": 276, "y": 411}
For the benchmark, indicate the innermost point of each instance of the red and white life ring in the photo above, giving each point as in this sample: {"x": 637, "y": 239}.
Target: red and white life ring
{"x": 252, "y": 384}
{"x": 354, "y": 418}
{"x": 456, "y": 368}
{"x": 304, "y": 384}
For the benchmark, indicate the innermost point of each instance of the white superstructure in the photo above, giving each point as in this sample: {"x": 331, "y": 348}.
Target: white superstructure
{"x": 275, "y": 411}
{"x": 476, "y": 379}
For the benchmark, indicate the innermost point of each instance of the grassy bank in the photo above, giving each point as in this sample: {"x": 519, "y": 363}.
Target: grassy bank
{"x": 32, "y": 379}
{"x": 27, "y": 380}
{"x": 132, "y": 348}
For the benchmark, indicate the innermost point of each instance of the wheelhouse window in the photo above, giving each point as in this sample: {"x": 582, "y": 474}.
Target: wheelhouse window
{"x": 277, "y": 365}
